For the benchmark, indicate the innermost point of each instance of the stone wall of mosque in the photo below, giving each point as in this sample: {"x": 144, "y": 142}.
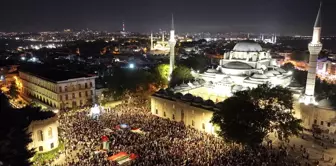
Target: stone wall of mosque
{"x": 195, "y": 117}
{"x": 324, "y": 118}
{"x": 44, "y": 134}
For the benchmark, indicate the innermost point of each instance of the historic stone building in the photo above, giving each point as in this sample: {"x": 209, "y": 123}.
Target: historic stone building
{"x": 190, "y": 110}
{"x": 44, "y": 134}
{"x": 57, "y": 88}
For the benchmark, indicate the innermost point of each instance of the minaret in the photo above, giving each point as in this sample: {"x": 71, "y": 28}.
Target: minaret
{"x": 123, "y": 26}
{"x": 172, "y": 43}
{"x": 314, "y": 47}
{"x": 151, "y": 40}
{"x": 163, "y": 37}
{"x": 275, "y": 39}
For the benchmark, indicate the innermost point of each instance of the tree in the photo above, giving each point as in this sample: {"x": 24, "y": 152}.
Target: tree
{"x": 14, "y": 137}
{"x": 162, "y": 71}
{"x": 196, "y": 62}
{"x": 181, "y": 73}
{"x": 258, "y": 112}
{"x": 240, "y": 121}
{"x": 13, "y": 90}
{"x": 288, "y": 66}
{"x": 277, "y": 102}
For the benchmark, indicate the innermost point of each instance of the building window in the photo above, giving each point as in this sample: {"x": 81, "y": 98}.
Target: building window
{"x": 74, "y": 104}
{"x": 193, "y": 112}
{"x": 328, "y": 124}
{"x": 40, "y": 135}
{"x": 60, "y": 89}
{"x": 50, "y": 133}
{"x": 173, "y": 116}
{"x": 90, "y": 84}
{"x": 321, "y": 123}
{"x": 73, "y": 87}
{"x": 66, "y": 97}
{"x": 66, "y": 88}
{"x": 52, "y": 145}
{"x": 156, "y": 111}
{"x": 86, "y": 94}
{"x": 61, "y": 97}
{"x": 164, "y": 114}
{"x": 85, "y": 85}
{"x": 80, "y": 102}
{"x": 73, "y": 95}
{"x": 91, "y": 92}
{"x": 192, "y": 123}
{"x": 315, "y": 121}
{"x": 40, "y": 148}
{"x": 79, "y": 86}
{"x": 203, "y": 126}
{"x": 80, "y": 94}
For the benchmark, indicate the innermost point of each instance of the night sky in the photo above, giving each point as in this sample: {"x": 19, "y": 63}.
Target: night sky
{"x": 274, "y": 16}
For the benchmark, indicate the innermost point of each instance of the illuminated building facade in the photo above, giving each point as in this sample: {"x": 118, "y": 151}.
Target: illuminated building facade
{"x": 190, "y": 110}
{"x": 44, "y": 134}
{"x": 57, "y": 88}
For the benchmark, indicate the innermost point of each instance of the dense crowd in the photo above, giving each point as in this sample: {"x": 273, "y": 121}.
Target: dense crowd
{"x": 162, "y": 142}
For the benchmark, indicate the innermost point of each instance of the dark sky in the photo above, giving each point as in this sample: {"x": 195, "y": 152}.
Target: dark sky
{"x": 275, "y": 16}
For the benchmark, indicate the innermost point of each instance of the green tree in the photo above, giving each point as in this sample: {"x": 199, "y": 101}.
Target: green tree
{"x": 240, "y": 121}
{"x": 162, "y": 72}
{"x": 181, "y": 73}
{"x": 257, "y": 112}
{"x": 13, "y": 90}
{"x": 277, "y": 102}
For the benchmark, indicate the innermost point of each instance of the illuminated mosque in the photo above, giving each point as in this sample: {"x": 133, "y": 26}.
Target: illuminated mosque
{"x": 246, "y": 66}
{"x": 159, "y": 47}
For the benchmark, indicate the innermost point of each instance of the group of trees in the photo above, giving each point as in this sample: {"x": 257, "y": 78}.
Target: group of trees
{"x": 124, "y": 80}
{"x": 14, "y": 137}
{"x": 249, "y": 116}
{"x": 13, "y": 91}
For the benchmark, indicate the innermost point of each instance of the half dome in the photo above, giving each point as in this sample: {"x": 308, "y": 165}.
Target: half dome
{"x": 237, "y": 65}
{"x": 326, "y": 104}
{"x": 259, "y": 76}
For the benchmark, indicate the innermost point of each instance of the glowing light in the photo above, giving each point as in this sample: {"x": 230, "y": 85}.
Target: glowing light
{"x": 23, "y": 58}
{"x": 95, "y": 110}
{"x": 131, "y": 66}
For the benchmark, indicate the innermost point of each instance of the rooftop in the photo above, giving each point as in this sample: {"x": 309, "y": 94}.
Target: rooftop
{"x": 51, "y": 74}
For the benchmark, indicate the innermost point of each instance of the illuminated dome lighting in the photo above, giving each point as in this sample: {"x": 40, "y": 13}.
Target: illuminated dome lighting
{"x": 247, "y": 46}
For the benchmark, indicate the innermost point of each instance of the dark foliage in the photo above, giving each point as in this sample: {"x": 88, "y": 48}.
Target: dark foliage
{"x": 254, "y": 113}
{"x": 14, "y": 137}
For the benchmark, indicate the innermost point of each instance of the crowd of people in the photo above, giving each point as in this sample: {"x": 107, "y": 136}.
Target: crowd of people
{"x": 162, "y": 142}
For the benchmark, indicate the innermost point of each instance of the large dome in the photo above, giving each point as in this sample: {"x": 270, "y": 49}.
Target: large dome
{"x": 247, "y": 46}
{"x": 237, "y": 65}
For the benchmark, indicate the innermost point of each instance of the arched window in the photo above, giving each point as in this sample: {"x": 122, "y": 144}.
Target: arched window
{"x": 40, "y": 135}
{"x": 50, "y": 135}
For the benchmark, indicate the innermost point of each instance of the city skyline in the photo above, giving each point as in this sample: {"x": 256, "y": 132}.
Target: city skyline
{"x": 287, "y": 17}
